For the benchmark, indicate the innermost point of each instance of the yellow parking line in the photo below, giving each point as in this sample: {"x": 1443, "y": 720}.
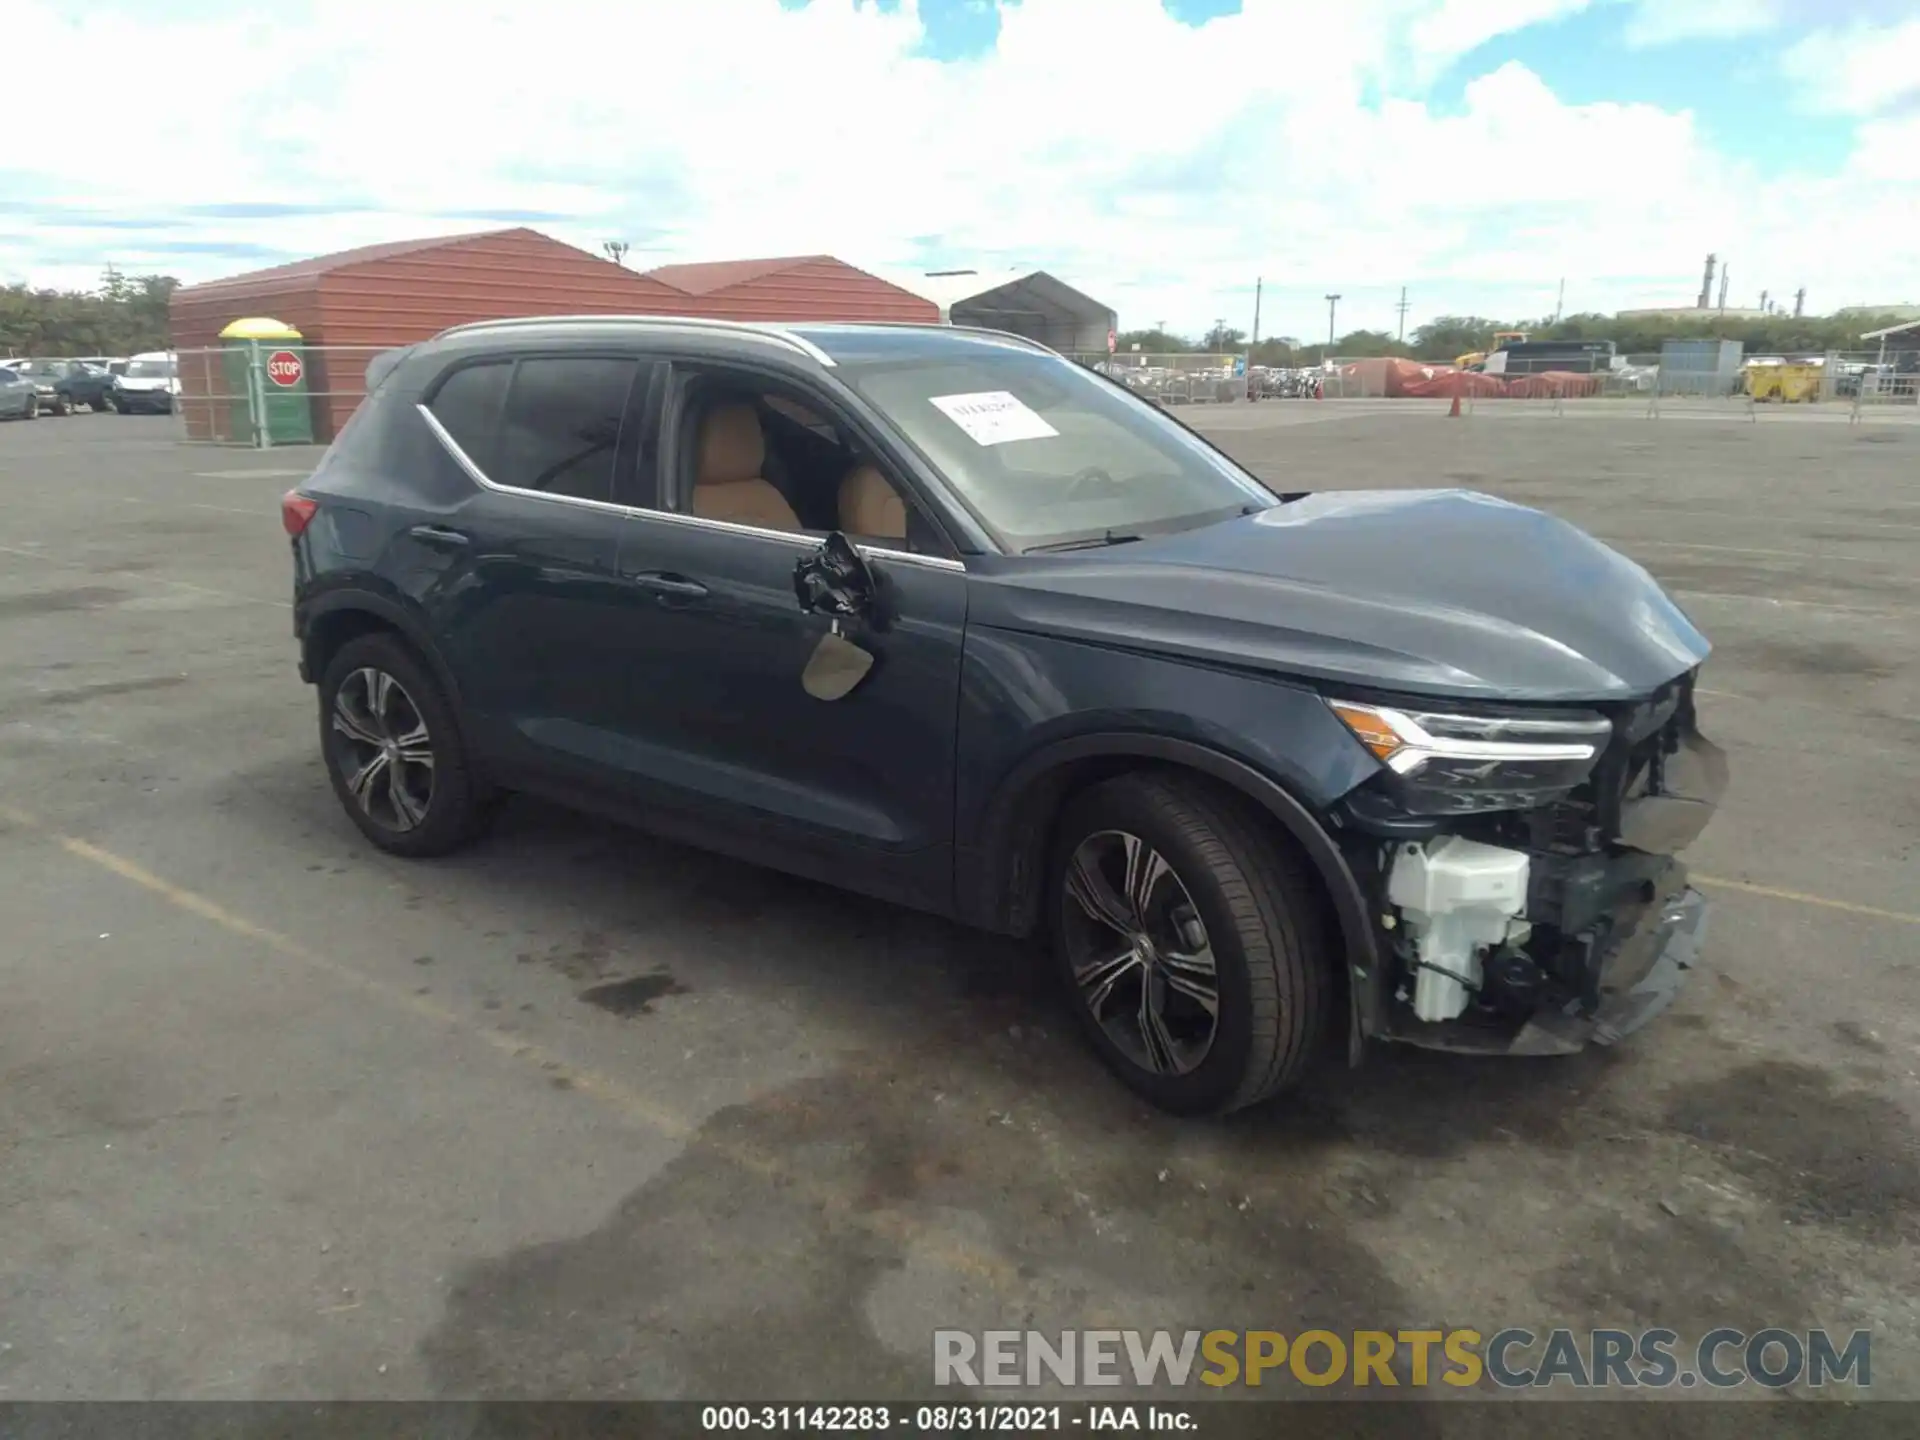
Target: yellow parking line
{"x": 1800, "y": 897}
{"x": 953, "y": 1251}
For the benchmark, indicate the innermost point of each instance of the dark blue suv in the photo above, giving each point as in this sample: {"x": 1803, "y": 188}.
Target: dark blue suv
{"x": 937, "y": 615}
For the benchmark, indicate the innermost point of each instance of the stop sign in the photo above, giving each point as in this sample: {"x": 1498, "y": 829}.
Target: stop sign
{"x": 284, "y": 368}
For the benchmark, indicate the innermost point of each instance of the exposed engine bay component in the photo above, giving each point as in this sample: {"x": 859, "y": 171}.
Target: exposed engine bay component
{"x": 1459, "y": 900}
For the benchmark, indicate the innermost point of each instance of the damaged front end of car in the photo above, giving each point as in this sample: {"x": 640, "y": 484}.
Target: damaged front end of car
{"x": 1521, "y": 867}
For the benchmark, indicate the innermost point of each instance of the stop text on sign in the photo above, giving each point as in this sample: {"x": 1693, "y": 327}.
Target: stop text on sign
{"x": 284, "y": 368}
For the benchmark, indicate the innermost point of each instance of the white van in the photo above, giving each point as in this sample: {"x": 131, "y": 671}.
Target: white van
{"x": 150, "y": 383}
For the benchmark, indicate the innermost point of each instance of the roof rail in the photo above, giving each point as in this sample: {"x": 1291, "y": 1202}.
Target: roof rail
{"x": 774, "y": 333}
{"x": 1026, "y": 341}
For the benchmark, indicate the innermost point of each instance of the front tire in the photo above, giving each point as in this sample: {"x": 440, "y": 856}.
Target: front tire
{"x": 32, "y": 412}
{"x": 1193, "y": 945}
{"x": 394, "y": 752}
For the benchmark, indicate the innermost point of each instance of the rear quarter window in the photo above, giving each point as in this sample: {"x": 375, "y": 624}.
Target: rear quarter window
{"x": 468, "y": 405}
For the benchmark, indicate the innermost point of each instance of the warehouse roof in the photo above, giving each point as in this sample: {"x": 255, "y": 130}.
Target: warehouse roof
{"x": 705, "y": 277}
{"x": 1008, "y": 290}
{"x": 320, "y": 265}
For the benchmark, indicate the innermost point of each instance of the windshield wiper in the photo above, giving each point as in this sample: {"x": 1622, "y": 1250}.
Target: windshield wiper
{"x": 1090, "y": 542}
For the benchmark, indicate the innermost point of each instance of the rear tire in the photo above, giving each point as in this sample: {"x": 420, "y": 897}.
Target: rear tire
{"x": 1229, "y": 891}
{"x": 394, "y": 751}
{"x": 32, "y": 412}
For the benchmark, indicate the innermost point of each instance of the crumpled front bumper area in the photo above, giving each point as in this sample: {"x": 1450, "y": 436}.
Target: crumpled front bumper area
{"x": 1642, "y": 977}
{"x": 1642, "y": 974}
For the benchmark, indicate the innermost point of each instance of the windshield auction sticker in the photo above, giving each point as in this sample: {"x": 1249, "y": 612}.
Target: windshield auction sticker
{"x": 993, "y": 417}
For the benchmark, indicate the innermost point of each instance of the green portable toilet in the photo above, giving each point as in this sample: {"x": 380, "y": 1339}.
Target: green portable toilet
{"x": 266, "y": 369}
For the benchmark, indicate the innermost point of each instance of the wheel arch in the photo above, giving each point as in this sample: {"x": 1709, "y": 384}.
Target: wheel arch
{"x": 329, "y": 621}
{"x": 998, "y": 886}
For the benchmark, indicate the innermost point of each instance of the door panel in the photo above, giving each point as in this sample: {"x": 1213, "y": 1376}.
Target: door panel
{"x": 858, "y": 790}
{"x": 523, "y": 619}
{"x": 527, "y": 602}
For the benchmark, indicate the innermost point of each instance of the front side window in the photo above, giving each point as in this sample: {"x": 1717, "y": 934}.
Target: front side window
{"x": 1047, "y": 454}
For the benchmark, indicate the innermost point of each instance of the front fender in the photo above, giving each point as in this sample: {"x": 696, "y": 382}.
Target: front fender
{"x": 997, "y": 877}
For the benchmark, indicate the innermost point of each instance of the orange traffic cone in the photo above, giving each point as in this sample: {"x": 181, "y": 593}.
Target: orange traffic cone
{"x": 1453, "y": 410}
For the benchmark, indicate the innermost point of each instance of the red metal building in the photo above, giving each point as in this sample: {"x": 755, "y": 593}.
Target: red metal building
{"x": 354, "y": 303}
{"x": 351, "y": 305}
{"x": 798, "y": 287}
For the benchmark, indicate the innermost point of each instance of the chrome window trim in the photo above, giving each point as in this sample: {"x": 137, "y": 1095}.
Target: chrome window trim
{"x": 800, "y": 538}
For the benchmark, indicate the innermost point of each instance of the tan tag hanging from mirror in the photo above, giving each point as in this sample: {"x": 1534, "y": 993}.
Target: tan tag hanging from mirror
{"x": 835, "y": 668}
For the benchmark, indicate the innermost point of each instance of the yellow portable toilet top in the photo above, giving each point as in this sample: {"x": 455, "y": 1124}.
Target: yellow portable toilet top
{"x": 259, "y": 327}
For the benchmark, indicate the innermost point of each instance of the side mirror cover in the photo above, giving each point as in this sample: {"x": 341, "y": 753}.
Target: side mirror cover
{"x": 835, "y": 581}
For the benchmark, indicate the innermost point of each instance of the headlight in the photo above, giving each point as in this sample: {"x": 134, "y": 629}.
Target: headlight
{"x": 1448, "y": 762}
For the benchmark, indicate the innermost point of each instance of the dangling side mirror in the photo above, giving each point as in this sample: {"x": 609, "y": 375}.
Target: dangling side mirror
{"x": 835, "y": 581}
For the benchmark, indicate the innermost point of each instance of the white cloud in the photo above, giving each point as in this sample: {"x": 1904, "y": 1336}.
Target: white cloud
{"x": 1665, "y": 22}
{"x": 1157, "y": 165}
{"x": 1861, "y": 70}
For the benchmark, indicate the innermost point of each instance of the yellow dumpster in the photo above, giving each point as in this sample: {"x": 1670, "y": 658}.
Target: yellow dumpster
{"x": 1787, "y": 384}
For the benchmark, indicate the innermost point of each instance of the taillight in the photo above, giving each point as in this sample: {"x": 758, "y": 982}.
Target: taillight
{"x": 296, "y": 510}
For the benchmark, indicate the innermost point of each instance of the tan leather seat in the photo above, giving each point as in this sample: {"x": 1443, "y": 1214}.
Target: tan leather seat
{"x": 728, "y": 485}
{"x": 869, "y": 505}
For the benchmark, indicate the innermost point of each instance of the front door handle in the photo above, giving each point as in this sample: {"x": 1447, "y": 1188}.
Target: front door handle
{"x": 669, "y": 586}
{"x": 439, "y": 537}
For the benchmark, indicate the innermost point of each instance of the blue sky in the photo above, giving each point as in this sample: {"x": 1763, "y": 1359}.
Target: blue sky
{"x": 1157, "y": 153}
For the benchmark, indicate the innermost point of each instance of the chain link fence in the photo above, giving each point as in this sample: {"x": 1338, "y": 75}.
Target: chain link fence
{"x": 1179, "y": 379}
{"x": 251, "y": 397}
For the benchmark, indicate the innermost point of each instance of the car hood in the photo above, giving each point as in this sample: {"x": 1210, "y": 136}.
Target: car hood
{"x": 1440, "y": 592}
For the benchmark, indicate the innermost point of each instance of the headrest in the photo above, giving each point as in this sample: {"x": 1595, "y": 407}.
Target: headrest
{"x": 871, "y": 506}
{"x": 731, "y": 445}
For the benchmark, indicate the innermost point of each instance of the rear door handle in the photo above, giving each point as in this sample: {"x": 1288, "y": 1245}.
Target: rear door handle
{"x": 439, "y": 537}
{"x": 670, "y": 586}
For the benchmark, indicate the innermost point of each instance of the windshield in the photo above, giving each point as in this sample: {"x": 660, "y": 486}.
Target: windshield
{"x": 1045, "y": 453}
{"x": 149, "y": 369}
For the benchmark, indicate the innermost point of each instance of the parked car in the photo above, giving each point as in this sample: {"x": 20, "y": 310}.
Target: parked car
{"x": 86, "y": 382}
{"x": 149, "y": 385}
{"x": 937, "y": 615}
{"x": 19, "y": 394}
{"x": 48, "y": 377}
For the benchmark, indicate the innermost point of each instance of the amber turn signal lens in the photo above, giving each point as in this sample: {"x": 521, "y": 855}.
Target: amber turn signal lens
{"x": 1369, "y": 728}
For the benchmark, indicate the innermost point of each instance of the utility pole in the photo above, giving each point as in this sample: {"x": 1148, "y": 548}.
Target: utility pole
{"x": 1560, "y": 304}
{"x": 1258, "y": 282}
{"x": 1332, "y": 301}
{"x": 1799, "y": 302}
{"x": 1725, "y": 274}
{"x": 1402, "y": 308}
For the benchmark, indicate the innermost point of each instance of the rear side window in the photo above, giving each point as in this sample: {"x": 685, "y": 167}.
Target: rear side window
{"x": 468, "y": 405}
{"x": 561, "y": 429}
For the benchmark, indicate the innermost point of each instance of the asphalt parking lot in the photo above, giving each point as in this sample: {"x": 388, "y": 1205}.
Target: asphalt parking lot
{"x": 579, "y": 1113}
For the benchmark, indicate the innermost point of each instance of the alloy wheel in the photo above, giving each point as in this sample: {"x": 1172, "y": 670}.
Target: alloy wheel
{"x": 1140, "y": 956}
{"x": 383, "y": 750}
